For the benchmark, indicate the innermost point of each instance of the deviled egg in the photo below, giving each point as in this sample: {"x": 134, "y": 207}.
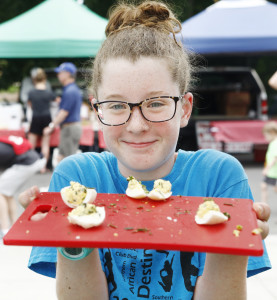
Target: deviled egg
{"x": 209, "y": 213}
{"x": 135, "y": 189}
{"x": 76, "y": 194}
{"x": 161, "y": 190}
{"x": 87, "y": 215}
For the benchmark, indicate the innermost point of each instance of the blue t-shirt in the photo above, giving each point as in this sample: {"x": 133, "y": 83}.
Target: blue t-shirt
{"x": 71, "y": 101}
{"x": 152, "y": 274}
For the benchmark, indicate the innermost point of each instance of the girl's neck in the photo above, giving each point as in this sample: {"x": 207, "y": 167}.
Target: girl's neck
{"x": 149, "y": 175}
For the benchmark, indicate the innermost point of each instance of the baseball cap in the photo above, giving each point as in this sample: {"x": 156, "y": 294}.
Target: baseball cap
{"x": 68, "y": 67}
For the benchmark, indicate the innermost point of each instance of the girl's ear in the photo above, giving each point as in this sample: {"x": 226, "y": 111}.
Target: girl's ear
{"x": 186, "y": 109}
{"x": 92, "y": 101}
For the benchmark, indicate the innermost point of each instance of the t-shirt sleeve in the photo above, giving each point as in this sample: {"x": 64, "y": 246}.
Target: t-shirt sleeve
{"x": 43, "y": 261}
{"x": 30, "y": 95}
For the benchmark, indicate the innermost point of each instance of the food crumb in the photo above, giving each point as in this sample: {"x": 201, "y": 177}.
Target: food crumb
{"x": 257, "y": 231}
{"x": 112, "y": 226}
{"x": 128, "y": 228}
{"x": 27, "y": 231}
{"x": 115, "y": 234}
{"x": 239, "y": 227}
{"x": 169, "y": 218}
{"x": 77, "y": 237}
{"x": 236, "y": 233}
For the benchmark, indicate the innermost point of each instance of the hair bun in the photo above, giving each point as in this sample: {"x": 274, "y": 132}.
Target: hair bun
{"x": 154, "y": 10}
{"x": 148, "y": 13}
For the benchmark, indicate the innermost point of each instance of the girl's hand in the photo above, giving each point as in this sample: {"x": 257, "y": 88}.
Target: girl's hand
{"x": 263, "y": 213}
{"x": 26, "y": 197}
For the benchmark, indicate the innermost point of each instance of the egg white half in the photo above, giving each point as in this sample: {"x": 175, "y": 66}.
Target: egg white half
{"x": 90, "y": 220}
{"x": 158, "y": 195}
{"x": 137, "y": 193}
{"x": 90, "y": 197}
{"x": 212, "y": 217}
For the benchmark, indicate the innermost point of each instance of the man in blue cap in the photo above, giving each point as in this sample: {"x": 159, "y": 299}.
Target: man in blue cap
{"x": 68, "y": 117}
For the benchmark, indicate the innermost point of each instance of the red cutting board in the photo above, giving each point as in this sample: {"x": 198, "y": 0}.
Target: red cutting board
{"x": 146, "y": 224}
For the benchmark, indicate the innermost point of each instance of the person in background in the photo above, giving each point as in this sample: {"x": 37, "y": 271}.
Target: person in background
{"x": 141, "y": 87}
{"x": 20, "y": 163}
{"x": 26, "y": 86}
{"x": 270, "y": 168}
{"x": 69, "y": 114}
{"x": 39, "y": 100}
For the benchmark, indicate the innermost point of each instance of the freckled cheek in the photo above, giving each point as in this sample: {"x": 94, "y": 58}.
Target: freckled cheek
{"x": 111, "y": 134}
{"x": 170, "y": 130}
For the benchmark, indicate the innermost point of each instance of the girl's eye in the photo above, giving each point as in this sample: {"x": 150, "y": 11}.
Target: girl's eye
{"x": 155, "y": 104}
{"x": 117, "y": 106}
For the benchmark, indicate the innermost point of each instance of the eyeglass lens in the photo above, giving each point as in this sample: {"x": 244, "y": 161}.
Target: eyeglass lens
{"x": 154, "y": 110}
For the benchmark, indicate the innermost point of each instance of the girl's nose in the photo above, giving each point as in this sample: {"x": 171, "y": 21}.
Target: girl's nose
{"x": 137, "y": 123}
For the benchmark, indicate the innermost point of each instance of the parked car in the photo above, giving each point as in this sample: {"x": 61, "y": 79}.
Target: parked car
{"x": 226, "y": 94}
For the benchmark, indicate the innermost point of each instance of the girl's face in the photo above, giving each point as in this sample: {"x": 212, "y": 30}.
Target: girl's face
{"x": 144, "y": 149}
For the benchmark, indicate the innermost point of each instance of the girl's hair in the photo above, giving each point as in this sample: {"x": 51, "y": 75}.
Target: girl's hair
{"x": 270, "y": 127}
{"x": 146, "y": 30}
{"x": 39, "y": 75}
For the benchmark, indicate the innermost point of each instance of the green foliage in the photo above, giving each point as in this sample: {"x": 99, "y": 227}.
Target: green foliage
{"x": 10, "y": 9}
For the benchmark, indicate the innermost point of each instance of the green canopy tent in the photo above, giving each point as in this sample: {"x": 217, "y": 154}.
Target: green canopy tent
{"x": 54, "y": 28}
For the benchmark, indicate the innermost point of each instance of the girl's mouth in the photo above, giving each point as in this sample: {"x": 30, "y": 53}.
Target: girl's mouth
{"x": 139, "y": 144}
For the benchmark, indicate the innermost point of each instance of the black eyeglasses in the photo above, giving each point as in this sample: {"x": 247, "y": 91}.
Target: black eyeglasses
{"x": 155, "y": 109}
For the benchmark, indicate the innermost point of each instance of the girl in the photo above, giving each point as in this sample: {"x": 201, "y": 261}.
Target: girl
{"x": 140, "y": 84}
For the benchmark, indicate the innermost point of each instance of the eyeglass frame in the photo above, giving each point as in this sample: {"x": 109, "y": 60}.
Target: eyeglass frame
{"x": 139, "y": 104}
